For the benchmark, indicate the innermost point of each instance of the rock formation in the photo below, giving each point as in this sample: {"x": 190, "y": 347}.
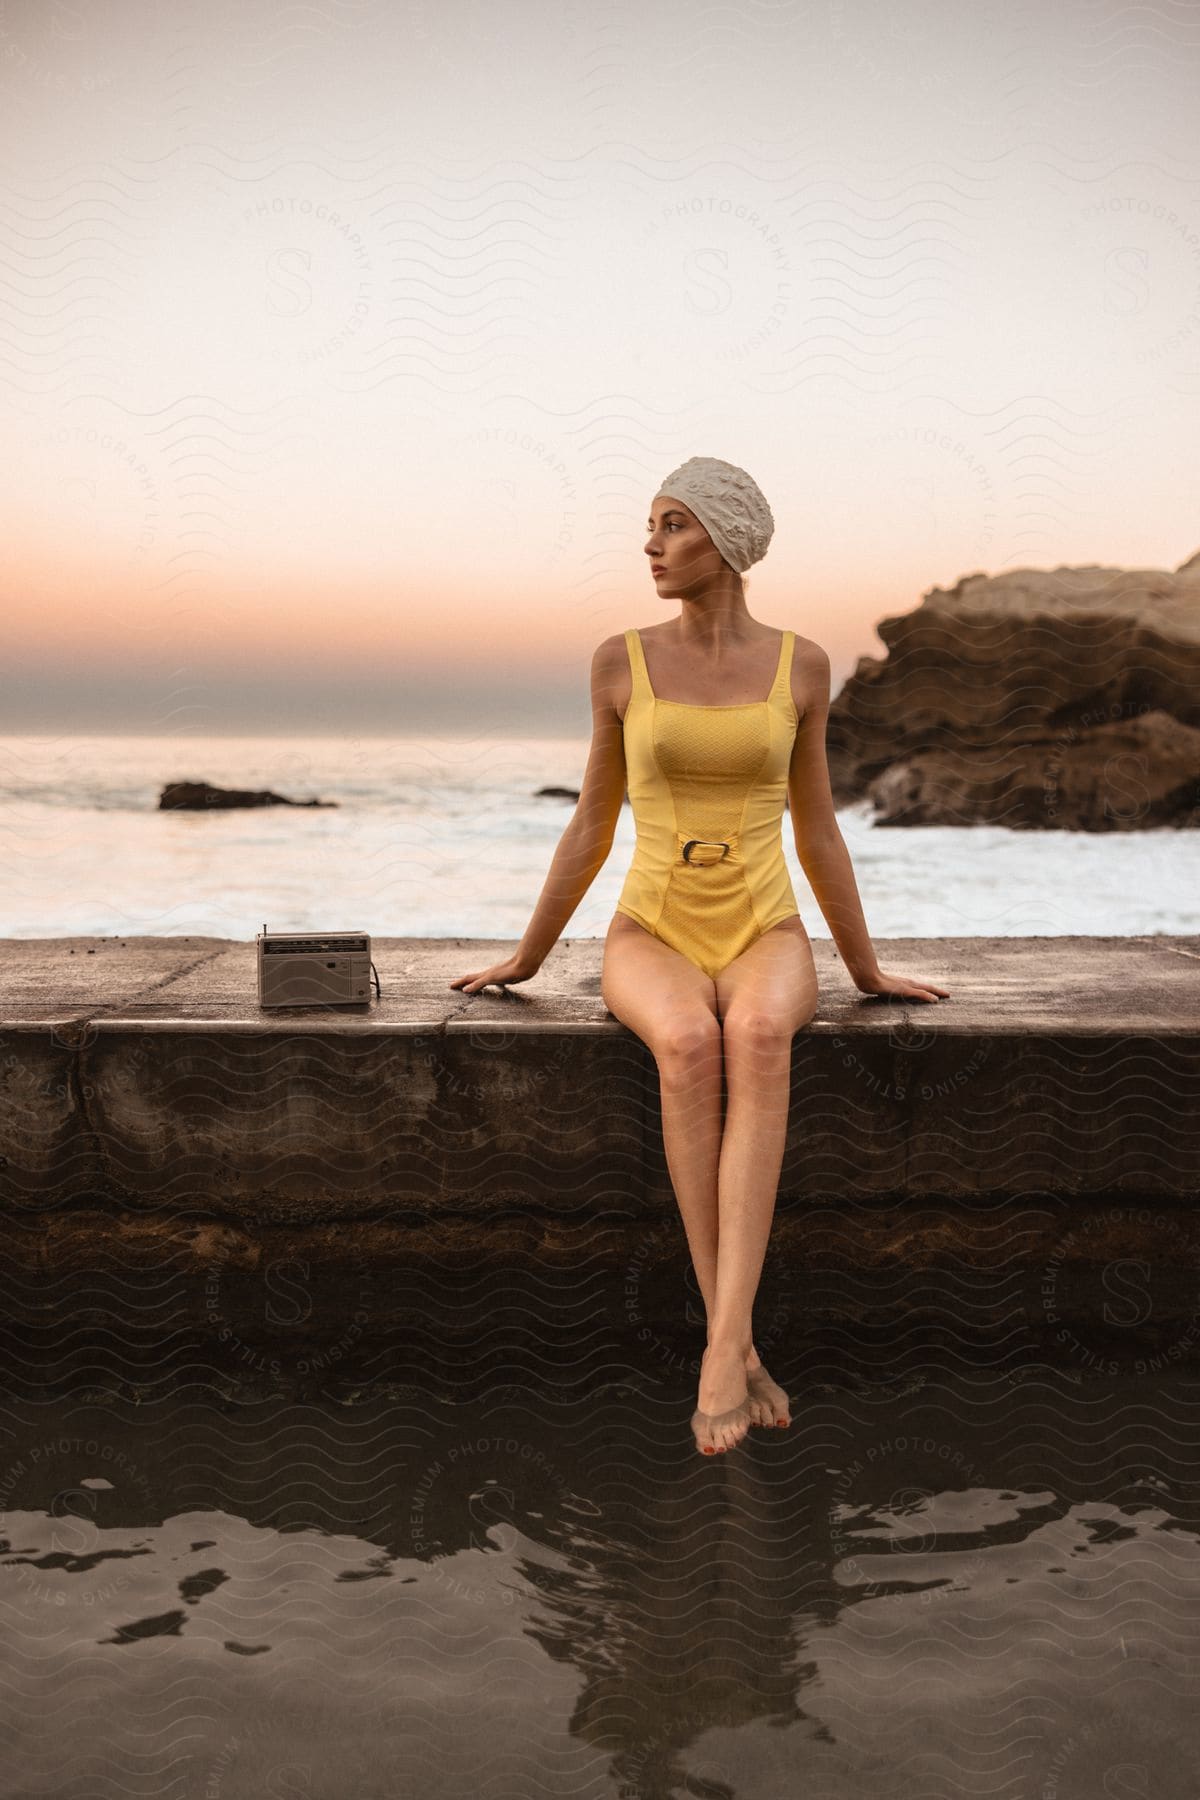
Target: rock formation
{"x": 1065, "y": 698}
{"x": 201, "y": 796}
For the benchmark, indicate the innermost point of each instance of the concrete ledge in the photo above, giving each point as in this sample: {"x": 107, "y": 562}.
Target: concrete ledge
{"x": 141, "y": 1073}
{"x": 1016, "y": 1166}
{"x": 1000, "y": 986}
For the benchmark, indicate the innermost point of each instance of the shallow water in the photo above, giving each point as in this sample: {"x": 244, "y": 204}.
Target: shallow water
{"x": 964, "y": 1582}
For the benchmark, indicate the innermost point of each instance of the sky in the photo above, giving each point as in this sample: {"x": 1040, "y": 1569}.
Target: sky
{"x": 344, "y": 347}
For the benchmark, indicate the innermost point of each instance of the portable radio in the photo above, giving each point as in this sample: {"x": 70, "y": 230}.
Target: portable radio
{"x": 314, "y": 968}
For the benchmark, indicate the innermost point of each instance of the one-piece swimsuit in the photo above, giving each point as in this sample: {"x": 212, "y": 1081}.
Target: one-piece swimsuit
{"x": 708, "y": 785}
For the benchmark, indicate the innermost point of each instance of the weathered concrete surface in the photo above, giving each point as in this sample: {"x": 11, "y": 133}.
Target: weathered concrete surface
{"x": 142, "y": 1073}
{"x": 1039, "y": 1128}
{"x": 92, "y": 1299}
{"x": 1000, "y": 985}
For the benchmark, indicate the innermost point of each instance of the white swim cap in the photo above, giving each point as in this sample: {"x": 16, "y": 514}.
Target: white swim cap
{"x": 728, "y": 503}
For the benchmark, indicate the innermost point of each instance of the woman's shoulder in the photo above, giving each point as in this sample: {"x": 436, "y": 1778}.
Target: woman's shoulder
{"x": 810, "y": 650}
{"x": 810, "y": 675}
{"x": 611, "y": 675}
{"x": 611, "y": 651}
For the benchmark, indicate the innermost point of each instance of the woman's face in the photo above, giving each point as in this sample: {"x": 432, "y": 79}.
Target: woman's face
{"x": 678, "y": 544}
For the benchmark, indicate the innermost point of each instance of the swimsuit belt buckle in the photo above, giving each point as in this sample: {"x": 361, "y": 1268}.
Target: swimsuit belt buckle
{"x": 705, "y": 844}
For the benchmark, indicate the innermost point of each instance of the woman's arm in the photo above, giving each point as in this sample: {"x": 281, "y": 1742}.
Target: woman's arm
{"x": 822, "y": 848}
{"x": 584, "y": 846}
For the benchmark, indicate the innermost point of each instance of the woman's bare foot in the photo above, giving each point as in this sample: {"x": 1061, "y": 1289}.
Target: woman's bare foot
{"x": 768, "y": 1402}
{"x": 722, "y": 1416}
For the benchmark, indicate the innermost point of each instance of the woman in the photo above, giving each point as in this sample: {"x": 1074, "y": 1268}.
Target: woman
{"x": 706, "y": 958}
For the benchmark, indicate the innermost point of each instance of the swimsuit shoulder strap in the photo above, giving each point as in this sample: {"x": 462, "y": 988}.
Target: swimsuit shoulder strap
{"x": 783, "y": 674}
{"x": 637, "y": 662}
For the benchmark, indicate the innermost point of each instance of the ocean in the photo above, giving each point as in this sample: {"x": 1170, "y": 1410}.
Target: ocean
{"x": 445, "y": 837}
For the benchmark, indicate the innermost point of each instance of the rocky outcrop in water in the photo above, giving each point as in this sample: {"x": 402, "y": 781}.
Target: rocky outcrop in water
{"x": 201, "y": 796}
{"x": 1038, "y": 699}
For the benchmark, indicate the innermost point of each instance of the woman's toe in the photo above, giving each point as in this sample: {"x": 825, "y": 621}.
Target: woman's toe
{"x": 760, "y": 1412}
{"x": 770, "y": 1397}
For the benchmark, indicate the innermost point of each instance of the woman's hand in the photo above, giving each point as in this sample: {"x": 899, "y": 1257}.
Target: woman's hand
{"x": 901, "y": 988}
{"x": 501, "y": 974}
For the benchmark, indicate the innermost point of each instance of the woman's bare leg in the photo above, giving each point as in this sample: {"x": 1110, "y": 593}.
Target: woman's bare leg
{"x": 721, "y": 1169}
{"x": 671, "y": 1005}
{"x": 764, "y": 996}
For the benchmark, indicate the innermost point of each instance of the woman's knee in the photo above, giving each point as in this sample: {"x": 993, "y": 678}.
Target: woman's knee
{"x": 689, "y": 1042}
{"x": 756, "y": 1031}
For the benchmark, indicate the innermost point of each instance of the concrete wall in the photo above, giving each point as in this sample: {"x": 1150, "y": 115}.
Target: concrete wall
{"x": 155, "y": 1120}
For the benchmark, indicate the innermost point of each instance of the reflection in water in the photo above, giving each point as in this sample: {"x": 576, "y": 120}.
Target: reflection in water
{"x": 981, "y": 1588}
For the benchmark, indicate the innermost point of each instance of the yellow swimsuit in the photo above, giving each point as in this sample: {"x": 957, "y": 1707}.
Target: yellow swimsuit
{"x": 708, "y": 786}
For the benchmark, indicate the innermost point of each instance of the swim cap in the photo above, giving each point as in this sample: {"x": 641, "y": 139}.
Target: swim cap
{"x": 728, "y": 503}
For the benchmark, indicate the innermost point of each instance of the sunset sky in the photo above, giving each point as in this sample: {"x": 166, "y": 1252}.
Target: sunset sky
{"x": 344, "y": 346}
